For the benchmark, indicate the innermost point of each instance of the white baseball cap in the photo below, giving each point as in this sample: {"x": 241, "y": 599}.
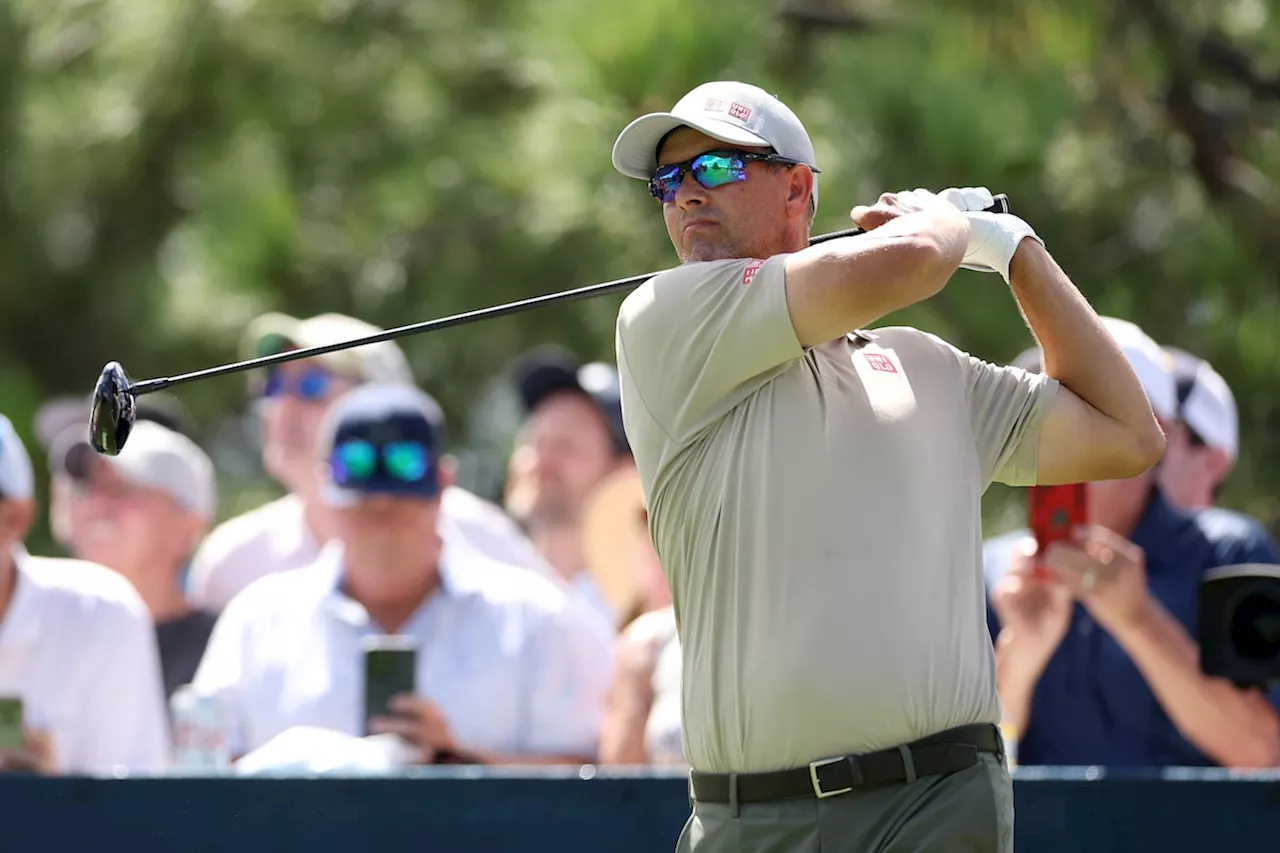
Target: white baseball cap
{"x": 1152, "y": 364}
{"x": 1205, "y": 402}
{"x": 380, "y": 362}
{"x": 155, "y": 457}
{"x": 732, "y": 112}
{"x": 17, "y": 480}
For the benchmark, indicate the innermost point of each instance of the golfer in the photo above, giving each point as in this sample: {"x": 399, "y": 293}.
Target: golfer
{"x": 814, "y": 488}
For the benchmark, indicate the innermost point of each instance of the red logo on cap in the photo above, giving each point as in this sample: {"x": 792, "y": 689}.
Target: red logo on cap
{"x": 714, "y": 105}
{"x": 739, "y": 112}
{"x": 750, "y": 272}
{"x": 881, "y": 362}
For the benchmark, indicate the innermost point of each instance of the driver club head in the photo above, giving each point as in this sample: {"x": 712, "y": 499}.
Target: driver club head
{"x": 113, "y": 412}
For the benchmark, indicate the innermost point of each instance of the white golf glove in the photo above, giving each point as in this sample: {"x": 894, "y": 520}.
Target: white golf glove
{"x": 993, "y": 237}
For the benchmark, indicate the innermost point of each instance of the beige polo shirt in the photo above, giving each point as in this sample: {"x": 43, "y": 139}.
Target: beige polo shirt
{"x": 818, "y": 514}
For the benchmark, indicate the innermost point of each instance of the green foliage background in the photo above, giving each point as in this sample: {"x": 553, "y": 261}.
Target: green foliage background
{"x": 171, "y": 168}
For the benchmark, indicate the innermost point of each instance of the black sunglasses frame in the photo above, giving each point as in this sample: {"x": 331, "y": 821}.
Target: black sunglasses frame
{"x": 685, "y": 167}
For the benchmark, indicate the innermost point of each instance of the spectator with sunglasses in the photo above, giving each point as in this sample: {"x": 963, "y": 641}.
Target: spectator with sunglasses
{"x": 507, "y": 672}
{"x": 292, "y": 399}
{"x": 814, "y": 488}
{"x": 1098, "y": 662}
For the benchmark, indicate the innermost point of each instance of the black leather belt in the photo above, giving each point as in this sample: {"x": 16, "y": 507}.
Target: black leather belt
{"x": 945, "y": 752}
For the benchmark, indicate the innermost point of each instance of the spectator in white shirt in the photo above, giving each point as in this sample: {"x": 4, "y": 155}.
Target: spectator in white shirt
{"x": 507, "y": 670}
{"x": 76, "y": 647}
{"x": 288, "y": 533}
{"x": 570, "y": 442}
{"x": 142, "y": 513}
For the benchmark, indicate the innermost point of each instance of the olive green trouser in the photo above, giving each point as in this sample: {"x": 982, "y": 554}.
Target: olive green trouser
{"x": 969, "y": 811}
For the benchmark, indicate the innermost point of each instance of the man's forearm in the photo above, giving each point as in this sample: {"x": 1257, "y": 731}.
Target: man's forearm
{"x": 1015, "y": 682}
{"x": 1078, "y": 351}
{"x": 1234, "y": 727}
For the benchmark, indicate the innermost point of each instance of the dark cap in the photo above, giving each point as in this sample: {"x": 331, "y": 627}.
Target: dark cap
{"x": 553, "y": 370}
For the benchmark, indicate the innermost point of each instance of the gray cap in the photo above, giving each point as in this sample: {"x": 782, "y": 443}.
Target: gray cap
{"x": 732, "y": 112}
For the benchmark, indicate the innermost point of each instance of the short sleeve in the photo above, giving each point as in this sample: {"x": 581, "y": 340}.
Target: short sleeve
{"x": 570, "y": 675}
{"x": 1007, "y": 406}
{"x": 696, "y": 341}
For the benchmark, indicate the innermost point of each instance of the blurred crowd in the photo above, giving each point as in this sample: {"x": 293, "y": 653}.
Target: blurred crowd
{"x": 543, "y": 626}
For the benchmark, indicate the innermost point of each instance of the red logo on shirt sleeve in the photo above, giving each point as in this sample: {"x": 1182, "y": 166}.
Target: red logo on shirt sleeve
{"x": 750, "y": 272}
{"x": 881, "y": 362}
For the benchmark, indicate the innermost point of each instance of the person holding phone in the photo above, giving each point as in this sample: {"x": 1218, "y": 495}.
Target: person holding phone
{"x": 1097, "y": 663}
{"x": 80, "y": 679}
{"x": 493, "y": 663}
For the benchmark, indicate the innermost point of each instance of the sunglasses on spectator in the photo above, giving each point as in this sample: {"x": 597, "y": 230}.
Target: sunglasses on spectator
{"x": 711, "y": 169}
{"x": 311, "y": 385}
{"x": 358, "y": 462}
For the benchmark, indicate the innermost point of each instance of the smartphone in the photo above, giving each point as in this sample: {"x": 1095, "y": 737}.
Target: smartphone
{"x": 390, "y": 667}
{"x": 11, "y": 719}
{"x": 1052, "y": 513}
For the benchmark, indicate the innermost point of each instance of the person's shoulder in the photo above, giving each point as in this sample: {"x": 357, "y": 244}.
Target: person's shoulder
{"x": 243, "y": 532}
{"x": 291, "y": 591}
{"x": 88, "y": 590}
{"x": 676, "y": 285}
{"x": 1227, "y": 528}
{"x": 503, "y": 585}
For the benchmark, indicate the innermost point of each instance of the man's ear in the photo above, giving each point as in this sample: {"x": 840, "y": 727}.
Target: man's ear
{"x": 1220, "y": 464}
{"x": 448, "y": 470}
{"x": 800, "y": 189}
{"x": 16, "y": 518}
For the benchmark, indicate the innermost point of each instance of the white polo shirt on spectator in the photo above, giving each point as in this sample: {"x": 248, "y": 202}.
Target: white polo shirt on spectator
{"x": 78, "y": 647}
{"x": 503, "y": 655}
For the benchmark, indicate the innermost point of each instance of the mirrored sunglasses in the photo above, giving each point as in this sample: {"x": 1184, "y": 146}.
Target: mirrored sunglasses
{"x": 711, "y": 169}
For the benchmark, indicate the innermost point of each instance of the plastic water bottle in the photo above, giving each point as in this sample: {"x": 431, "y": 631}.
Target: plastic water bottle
{"x": 199, "y": 733}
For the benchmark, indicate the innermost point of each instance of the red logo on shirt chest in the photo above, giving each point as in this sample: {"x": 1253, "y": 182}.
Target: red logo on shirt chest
{"x": 880, "y": 362}
{"x": 750, "y": 272}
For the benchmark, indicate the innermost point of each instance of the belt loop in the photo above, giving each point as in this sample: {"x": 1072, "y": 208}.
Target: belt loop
{"x": 908, "y": 764}
{"x": 733, "y": 794}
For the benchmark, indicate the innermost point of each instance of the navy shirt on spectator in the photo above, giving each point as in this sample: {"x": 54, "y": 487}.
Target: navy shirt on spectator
{"x": 1092, "y": 706}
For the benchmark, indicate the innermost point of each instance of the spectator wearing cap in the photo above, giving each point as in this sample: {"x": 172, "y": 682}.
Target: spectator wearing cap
{"x": 293, "y": 397}
{"x": 1203, "y": 441}
{"x": 142, "y": 513}
{"x": 1098, "y": 664}
{"x": 506, "y": 670}
{"x": 76, "y": 648}
{"x": 65, "y": 415}
{"x": 571, "y": 440}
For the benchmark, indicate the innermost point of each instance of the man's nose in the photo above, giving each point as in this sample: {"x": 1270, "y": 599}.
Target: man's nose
{"x": 690, "y": 193}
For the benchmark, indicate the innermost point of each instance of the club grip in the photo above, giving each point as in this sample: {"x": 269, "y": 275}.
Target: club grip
{"x": 1000, "y": 204}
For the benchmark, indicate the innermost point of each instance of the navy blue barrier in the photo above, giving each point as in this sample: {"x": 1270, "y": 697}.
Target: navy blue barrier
{"x": 558, "y": 812}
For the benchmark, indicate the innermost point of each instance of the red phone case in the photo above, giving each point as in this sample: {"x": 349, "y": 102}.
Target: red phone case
{"x": 1052, "y": 513}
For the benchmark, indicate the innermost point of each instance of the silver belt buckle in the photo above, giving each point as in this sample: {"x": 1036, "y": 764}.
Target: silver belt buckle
{"x": 817, "y": 785}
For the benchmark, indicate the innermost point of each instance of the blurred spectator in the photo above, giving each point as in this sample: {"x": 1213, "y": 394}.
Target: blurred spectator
{"x": 76, "y": 646}
{"x": 142, "y": 513}
{"x": 1203, "y": 440}
{"x": 64, "y": 415}
{"x": 288, "y": 533}
{"x": 506, "y": 671}
{"x": 642, "y": 712}
{"x": 617, "y": 548}
{"x": 571, "y": 440}
{"x": 1098, "y": 664}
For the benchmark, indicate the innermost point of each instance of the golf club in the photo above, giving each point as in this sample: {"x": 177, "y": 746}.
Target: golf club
{"x": 114, "y": 407}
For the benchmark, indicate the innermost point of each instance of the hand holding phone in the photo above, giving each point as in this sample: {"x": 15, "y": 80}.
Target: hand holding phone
{"x": 1053, "y": 513}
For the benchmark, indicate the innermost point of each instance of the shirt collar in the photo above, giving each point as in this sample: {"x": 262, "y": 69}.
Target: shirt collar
{"x": 1157, "y": 531}
{"x": 329, "y": 566}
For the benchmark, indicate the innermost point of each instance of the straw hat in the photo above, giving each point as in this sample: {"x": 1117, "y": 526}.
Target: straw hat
{"x": 610, "y": 531}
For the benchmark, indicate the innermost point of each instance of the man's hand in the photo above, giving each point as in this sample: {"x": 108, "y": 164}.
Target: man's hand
{"x": 892, "y": 205}
{"x": 34, "y": 756}
{"x": 419, "y": 722}
{"x": 1034, "y": 613}
{"x": 993, "y": 237}
{"x": 1106, "y": 572}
